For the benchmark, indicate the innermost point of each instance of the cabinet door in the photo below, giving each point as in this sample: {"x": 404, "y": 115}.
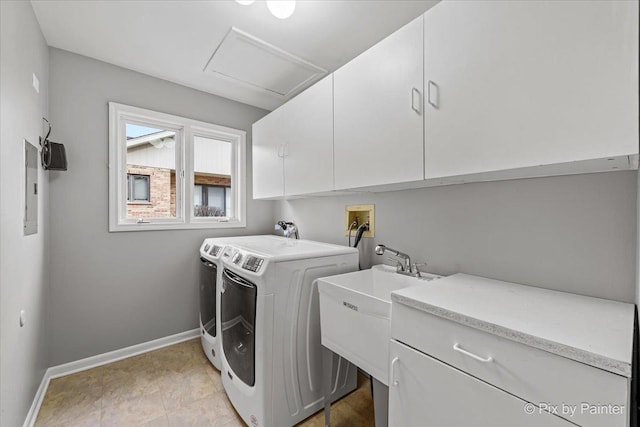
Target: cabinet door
{"x": 267, "y": 148}
{"x": 428, "y": 393}
{"x": 527, "y": 83}
{"x": 378, "y": 113}
{"x": 308, "y": 137}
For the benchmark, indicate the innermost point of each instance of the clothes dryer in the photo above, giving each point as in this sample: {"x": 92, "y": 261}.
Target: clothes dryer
{"x": 270, "y": 328}
{"x": 210, "y": 276}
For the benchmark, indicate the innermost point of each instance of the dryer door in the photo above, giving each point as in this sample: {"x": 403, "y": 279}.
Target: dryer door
{"x": 208, "y": 277}
{"x": 238, "y": 317}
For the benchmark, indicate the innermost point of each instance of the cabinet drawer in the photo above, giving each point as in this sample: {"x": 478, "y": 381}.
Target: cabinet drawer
{"x": 425, "y": 392}
{"x": 529, "y": 373}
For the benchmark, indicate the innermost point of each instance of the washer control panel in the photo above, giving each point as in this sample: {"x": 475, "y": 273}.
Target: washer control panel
{"x": 252, "y": 263}
{"x": 210, "y": 250}
{"x": 244, "y": 260}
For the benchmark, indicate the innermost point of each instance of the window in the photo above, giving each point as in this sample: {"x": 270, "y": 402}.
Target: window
{"x": 170, "y": 172}
{"x": 137, "y": 188}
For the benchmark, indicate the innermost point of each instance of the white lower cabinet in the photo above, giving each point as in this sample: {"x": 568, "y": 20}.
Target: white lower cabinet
{"x": 424, "y": 392}
{"x": 467, "y": 350}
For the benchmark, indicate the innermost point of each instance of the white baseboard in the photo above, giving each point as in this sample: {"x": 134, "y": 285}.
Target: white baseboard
{"x": 37, "y": 401}
{"x": 99, "y": 360}
{"x": 123, "y": 353}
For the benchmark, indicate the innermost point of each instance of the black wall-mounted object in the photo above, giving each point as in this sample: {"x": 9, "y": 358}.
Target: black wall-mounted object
{"x": 53, "y": 155}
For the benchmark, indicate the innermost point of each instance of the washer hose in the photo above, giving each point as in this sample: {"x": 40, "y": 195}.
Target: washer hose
{"x": 359, "y": 232}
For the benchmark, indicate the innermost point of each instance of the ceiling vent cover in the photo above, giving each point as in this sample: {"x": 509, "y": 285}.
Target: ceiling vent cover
{"x": 258, "y": 64}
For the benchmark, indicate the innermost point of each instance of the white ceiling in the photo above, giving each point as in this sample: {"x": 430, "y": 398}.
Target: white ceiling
{"x": 174, "y": 40}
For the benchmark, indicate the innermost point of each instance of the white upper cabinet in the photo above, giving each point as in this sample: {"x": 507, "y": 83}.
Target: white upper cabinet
{"x": 470, "y": 91}
{"x": 293, "y": 146}
{"x": 308, "y": 150}
{"x": 514, "y": 84}
{"x": 378, "y": 121}
{"x": 268, "y": 162}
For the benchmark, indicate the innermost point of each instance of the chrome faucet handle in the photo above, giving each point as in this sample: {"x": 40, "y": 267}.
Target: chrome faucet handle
{"x": 415, "y": 268}
{"x": 416, "y": 265}
{"x": 399, "y": 265}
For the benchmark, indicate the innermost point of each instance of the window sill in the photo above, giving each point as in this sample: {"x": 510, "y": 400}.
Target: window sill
{"x": 139, "y": 203}
{"x": 159, "y": 226}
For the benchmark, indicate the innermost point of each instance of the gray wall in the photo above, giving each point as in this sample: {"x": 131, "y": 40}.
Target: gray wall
{"x": 572, "y": 233}
{"x": 112, "y": 290}
{"x": 23, "y": 259}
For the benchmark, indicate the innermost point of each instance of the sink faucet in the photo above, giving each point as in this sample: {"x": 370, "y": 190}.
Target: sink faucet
{"x": 403, "y": 261}
{"x": 288, "y": 228}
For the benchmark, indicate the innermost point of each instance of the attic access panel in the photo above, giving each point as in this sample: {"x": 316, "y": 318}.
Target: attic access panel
{"x": 258, "y": 64}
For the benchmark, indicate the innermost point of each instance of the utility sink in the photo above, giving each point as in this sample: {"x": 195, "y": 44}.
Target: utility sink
{"x": 355, "y": 315}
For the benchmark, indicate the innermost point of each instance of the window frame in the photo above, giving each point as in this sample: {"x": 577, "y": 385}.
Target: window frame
{"x": 186, "y": 129}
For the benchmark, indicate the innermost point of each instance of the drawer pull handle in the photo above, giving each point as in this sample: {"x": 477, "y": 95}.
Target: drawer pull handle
{"x": 394, "y": 381}
{"x": 457, "y": 348}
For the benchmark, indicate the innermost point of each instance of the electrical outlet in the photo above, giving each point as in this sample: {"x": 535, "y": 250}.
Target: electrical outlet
{"x": 359, "y": 214}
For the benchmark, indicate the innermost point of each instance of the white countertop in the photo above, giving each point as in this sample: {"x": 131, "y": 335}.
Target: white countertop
{"x": 593, "y": 331}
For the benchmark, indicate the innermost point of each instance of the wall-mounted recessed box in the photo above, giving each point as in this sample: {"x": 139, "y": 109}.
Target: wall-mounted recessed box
{"x": 360, "y": 214}
{"x": 30, "y": 188}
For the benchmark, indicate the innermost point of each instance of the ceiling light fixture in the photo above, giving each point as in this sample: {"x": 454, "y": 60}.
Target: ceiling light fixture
{"x": 245, "y": 2}
{"x": 281, "y": 9}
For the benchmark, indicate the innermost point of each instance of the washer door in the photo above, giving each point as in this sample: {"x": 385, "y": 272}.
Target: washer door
{"x": 208, "y": 278}
{"x": 238, "y": 317}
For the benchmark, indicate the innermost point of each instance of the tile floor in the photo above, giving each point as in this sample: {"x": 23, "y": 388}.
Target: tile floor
{"x": 174, "y": 386}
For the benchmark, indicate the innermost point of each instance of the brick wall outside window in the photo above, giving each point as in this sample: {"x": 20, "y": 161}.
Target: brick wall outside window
{"x": 173, "y": 193}
{"x": 162, "y": 191}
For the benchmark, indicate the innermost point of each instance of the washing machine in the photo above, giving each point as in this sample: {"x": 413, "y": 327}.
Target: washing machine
{"x": 270, "y": 329}
{"x": 210, "y": 275}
